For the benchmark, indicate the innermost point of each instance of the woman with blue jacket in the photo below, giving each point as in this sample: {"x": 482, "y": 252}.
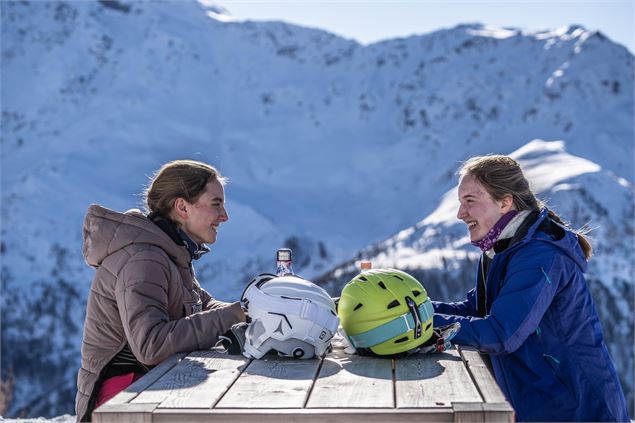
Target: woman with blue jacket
{"x": 531, "y": 310}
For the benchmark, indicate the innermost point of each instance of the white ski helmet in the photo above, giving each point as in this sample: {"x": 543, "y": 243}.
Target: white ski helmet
{"x": 290, "y": 315}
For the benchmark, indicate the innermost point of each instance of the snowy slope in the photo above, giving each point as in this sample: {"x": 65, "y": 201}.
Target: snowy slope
{"x": 438, "y": 252}
{"x": 330, "y": 146}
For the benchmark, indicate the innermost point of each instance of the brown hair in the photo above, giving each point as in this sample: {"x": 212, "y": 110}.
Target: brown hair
{"x": 502, "y": 176}
{"x": 179, "y": 178}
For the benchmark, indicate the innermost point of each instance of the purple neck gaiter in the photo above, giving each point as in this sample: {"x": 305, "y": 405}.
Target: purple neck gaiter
{"x": 487, "y": 242}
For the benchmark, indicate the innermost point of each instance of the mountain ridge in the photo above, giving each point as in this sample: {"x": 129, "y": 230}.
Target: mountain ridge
{"x": 330, "y": 146}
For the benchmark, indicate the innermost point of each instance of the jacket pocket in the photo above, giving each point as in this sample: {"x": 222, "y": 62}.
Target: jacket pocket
{"x": 559, "y": 374}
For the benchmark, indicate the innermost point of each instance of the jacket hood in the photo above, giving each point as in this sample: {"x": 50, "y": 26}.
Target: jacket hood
{"x": 107, "y": 231}
{"x": 561, "y": 237}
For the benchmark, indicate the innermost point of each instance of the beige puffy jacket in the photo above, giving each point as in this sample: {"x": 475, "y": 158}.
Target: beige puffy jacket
{"x": 144, "y": 293}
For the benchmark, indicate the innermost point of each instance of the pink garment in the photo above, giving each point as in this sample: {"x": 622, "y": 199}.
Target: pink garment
{"x": 487, "y": 242}
{"x": 113, "y": 385}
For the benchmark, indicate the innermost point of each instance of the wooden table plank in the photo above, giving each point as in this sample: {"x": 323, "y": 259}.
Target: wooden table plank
{"x": 198, "y": 381}
{"x": 273, "y": 382}
{"x": 482, "y": 376}
{"x": 436, "y": 380}
{"x": 354, "y": 382}
{"x": 498, "y": 412}
{"x": 124, "y": 413}
{"x": 312, "y": 415}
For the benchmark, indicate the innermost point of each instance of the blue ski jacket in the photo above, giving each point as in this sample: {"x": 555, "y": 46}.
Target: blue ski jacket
{"x": 541, "y": 331}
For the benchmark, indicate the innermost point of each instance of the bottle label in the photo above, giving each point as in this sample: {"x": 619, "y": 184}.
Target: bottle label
{"x": 284, "y": 268}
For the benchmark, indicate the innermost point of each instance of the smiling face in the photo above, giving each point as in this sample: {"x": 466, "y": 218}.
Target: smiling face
{"x": 478, "y": 209}
{"x": 201, "y": 219}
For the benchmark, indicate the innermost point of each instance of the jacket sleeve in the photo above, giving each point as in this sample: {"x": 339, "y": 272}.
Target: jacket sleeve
{"x": 461, "y": 308}
{"x": 142, "y": 298}
{"x": 532, "y": 280}
{"x": 211, "y": 303}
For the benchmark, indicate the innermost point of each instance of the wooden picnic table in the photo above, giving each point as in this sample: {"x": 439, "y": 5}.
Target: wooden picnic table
{"x": 210, "y": 386}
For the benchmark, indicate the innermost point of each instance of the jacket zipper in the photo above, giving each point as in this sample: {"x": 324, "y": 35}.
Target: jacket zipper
{"x": 484, "y": 286}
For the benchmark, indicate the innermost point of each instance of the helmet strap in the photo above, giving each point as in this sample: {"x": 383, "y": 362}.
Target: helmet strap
{"x": 414, "y": 311}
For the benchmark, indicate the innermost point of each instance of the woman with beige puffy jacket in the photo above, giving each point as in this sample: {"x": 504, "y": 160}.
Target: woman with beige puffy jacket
{"x": 145, "y": 303}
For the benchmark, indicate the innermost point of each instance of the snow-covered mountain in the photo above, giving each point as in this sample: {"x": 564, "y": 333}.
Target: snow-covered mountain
{"x": 330, "y": 146}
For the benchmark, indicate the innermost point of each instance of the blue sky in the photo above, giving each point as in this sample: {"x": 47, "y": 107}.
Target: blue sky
{"x": 370, "y": 21}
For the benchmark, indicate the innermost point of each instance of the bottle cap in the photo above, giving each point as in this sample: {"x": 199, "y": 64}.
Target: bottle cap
{"x": 283, "y": 254}
{"x": 365, "y": 265}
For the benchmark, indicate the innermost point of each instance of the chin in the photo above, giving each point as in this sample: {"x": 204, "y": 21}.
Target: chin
{"x": 201, "y": 240}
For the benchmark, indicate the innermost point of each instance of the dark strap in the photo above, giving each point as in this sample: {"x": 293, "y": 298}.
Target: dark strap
{"x": 125, "y": 362}
{"x": 480, "y": 289}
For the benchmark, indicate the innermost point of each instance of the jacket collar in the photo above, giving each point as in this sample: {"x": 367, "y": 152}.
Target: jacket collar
{"x": 517, "y": 225}
{"x": 196, "y": 251}
{"x": 539, "y": 226}
{"x": 179, "y": 236}
{"x": 528, "y": 224}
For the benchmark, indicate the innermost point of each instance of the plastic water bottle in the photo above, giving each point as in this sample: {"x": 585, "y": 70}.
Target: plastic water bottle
{"x": 284, "y": 262}
{"x": 365, "y": 265}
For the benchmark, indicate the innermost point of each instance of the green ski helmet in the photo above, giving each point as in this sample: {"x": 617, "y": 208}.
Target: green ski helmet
{"x": 385, "y": 312}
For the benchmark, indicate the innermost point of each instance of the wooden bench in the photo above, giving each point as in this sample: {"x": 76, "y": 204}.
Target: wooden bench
{"x": 210, "y": 386}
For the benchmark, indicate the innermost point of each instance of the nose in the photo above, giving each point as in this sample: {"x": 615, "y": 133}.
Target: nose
{"x": 224, "y": 217}
{"x": 460, "y": 214}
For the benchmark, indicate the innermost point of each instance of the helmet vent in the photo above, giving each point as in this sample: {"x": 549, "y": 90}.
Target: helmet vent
{"x": 428, "y": 327}
{"x": 398, "y": 277}
{"x": 358, "y": 306}
{"x": 393, "y": 304}
{"x": 404, "y": 339}
{"x": 381, "y": 283}
{"x": 416, "y": 293}
{"x": 361, "y": 278}
{"x": 290, "y": 298}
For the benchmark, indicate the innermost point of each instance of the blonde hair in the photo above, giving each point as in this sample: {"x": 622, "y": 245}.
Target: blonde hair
{"x": 501, "y": 176}
{"x": 178, "y": 179}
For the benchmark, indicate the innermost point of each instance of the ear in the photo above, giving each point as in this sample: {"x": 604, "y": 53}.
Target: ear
{"x": 507, "y": 203}
{"x": 180, "y": 209}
